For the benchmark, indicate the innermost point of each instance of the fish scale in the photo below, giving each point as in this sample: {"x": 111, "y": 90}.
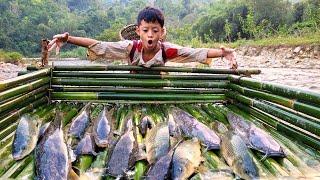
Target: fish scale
{"x": 157, "y": 142}
{"x": 236, "y": 154}
{"x": 52, "y": 163}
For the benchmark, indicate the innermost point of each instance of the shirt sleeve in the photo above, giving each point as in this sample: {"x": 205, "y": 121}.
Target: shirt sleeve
{"x": 109, "y": 50}
{"x": 176, "y": 53}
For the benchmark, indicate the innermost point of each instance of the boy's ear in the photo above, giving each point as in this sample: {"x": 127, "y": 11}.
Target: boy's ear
{"x": 137, "y": 30}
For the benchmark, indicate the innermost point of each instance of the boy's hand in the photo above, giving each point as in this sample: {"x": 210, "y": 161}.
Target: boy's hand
{"x": 58, "y": 41}
{"x": 230, "y": 55}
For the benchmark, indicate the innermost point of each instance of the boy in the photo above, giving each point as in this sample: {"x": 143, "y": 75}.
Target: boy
{"x": 149, "y": 50}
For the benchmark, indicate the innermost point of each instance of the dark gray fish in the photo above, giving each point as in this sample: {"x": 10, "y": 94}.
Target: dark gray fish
{"x": 86, "y": 146}
{"x": 254, "y": 137}
{"x": 80, "y": 122}
{"x": 235, "y": 152}
{"x": 25, "y": 137}
{"x": 157, "y": 142}
{"x": 161, "y": 169}
{"x": 123, "y": 155}
{"x": 145, "y": 124}
{"x": 191, "y": 127}
{"x": 186, "y": 158}
{"x": 102, "y": 128}
{"x": 51, "y": 153}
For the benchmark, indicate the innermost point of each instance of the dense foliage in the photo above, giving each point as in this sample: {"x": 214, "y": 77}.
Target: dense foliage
{"x": 190, "y": 22}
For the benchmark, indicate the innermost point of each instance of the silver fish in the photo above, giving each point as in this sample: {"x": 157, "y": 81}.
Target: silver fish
{"x": 254, "y": 137}
{"x": 193, "y": 128}
{"x": 157, "y": 142}
{"x": 86, "y": 146}
{"x": 25, "y": 137}
{"x": 80, "y": 122}
{"x": 51, "y": 153}
{"x": 122, "y": 156}
{"x": 235, "y": 152}
{"x": 186, "y": 158}
{"x": 102, "y": 128}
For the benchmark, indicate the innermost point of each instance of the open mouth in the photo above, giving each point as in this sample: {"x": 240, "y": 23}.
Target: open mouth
{"x": 149, "y": 42}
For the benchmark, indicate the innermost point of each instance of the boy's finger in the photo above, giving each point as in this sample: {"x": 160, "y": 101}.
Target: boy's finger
{"x": 52, "y": 47}
{"x": 52, "y": 42}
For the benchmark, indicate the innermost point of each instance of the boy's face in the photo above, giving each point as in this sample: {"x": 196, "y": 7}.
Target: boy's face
{"x": 149, "y": 33}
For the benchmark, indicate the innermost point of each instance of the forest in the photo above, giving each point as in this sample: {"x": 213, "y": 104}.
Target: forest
{"x": 189, "y": 22}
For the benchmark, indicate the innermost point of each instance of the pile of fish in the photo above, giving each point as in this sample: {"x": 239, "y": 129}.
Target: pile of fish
{"x": 149, "y": 142}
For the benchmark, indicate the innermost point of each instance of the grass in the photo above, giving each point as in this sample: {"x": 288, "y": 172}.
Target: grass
{"x": 275, "y": 41}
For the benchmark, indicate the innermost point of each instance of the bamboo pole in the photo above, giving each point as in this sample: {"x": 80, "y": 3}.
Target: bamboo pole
{"x": 290, "y": 103}
{"x": 145, "y": 101}
{"x": 139, "y": 83}
{"x": 290, "y": 118}
{"x": 11, "y": 118}
{"x": 17, "y": 168}
{"x": 132, "y": 96}
{"x": 26, "y": 102}
{"x": 162, "y": 68}
{"x": 22, "y": 79}
{"x": 23, "y": 89}
{"x": 58, "y": 88}
{"x": 11, "y": 104}
{"x": 281, "y": 127}
{"x": 103, "y": 74}
{"x": 279, "y": 89}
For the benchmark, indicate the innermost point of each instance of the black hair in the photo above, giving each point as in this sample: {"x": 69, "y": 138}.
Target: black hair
{"x": 150, "y": 14}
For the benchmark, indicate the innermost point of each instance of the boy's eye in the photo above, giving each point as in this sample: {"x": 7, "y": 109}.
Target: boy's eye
{"x": 145, "y": 30}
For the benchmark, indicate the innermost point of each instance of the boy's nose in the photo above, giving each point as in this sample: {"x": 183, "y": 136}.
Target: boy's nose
{"x": 150, "y": 34}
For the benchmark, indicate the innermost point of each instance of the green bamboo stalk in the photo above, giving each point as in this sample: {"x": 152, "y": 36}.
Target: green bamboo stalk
{"x": 139, "y": 82}
{"x": 273, "y": 166}
{"x": 278, "y": 89}
{"x": 27, "y": 173}
{"x": 22, "y": 79}
{"x": 303, "y": 123}
{"x": 23, "y": 88}
{"x": 11, "y": 104}
{"x": 83, "y": 163}
{"x": 282, "y": 128}
{"x": 141, "y": 165}
{"x": 17, "y": 168}
{"x": 290, "y": 103}
{"x": 162, "y": 68}
{"x": 15, "y": 107}
{"x": 5, "y": 141}
{"x": 11, "y": 117}
{"x": 211, "y": 108}
{"x": 144, "y": 101}
{"x": 57, "y": 88}
{"x": 138, "y": 76}
{"x": 6, "y": 163}
{"x": 132, "y": 96}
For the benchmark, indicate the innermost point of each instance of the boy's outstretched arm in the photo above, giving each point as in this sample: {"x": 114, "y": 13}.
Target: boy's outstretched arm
{"x": 226, "y": 53}
{"x": 59, "y": 39}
